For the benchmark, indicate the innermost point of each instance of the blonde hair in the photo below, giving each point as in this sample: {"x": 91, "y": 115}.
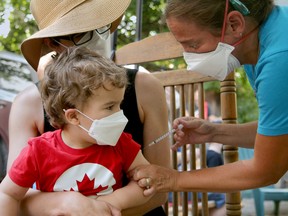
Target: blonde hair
{"x": 210, "y": 13}
{"x": 72, "y": 77}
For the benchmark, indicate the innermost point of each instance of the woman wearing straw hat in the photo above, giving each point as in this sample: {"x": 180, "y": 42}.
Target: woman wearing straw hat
{"x": 85, "y": 23}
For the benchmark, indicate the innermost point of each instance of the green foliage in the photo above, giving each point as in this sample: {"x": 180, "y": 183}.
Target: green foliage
{"x": 22, "y": 25}
{"x": 152, "y": 24}
{"x": 151, "y": 19}
{"x": 247, "y": 106}
{"x": 2, "y": 9}
{"x": 212, "y": 86}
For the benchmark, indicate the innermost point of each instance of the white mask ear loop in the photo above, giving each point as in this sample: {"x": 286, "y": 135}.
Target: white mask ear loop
{"x": 83, "y": 115}
{"x": 86, "y": 117}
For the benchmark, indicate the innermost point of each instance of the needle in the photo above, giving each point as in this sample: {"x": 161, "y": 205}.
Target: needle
{"x": 180, "y": 126}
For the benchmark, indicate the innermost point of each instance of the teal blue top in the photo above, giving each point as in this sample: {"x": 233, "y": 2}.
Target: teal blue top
{"x": 269, "y": 77}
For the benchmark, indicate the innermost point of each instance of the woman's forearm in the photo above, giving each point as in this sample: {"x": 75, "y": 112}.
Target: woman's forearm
{"x": 266, "y": 167}
{"x": 42, "y": 203}
{"x": 70, "y": 203}
{"x": 240, "y": 135}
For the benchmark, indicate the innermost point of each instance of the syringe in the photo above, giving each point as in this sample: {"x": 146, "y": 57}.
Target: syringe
{"x": 180, "y": 126}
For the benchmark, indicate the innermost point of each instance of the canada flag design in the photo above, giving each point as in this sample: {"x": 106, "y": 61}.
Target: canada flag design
{"x": 87, "y": 178}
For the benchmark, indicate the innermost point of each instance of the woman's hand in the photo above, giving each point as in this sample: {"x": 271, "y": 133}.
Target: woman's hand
{"x": 194, "y": 131}
{"x": 153, "y": 178}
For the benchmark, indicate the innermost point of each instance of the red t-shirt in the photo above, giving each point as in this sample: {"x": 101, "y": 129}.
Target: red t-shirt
{"x": 54, "y": 166}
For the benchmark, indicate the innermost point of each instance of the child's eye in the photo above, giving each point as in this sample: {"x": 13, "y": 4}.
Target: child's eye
{"x": 110, "y": 107}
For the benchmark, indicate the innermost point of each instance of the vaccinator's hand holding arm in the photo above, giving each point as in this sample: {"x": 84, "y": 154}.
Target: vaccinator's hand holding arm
{"x": 267, "y": 166}
{"x": 130, "y": 195}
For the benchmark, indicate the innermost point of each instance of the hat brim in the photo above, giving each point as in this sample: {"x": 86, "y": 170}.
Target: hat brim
{"x": 85, "y": 17}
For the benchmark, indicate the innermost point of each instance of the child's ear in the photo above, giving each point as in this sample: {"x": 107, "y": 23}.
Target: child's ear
{"x": 71, "y": 116}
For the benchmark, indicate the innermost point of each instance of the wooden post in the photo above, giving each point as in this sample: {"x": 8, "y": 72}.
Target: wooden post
{"x": 230, "y": 153}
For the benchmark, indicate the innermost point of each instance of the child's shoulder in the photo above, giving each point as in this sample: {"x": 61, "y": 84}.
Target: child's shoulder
{"x": 126, "y": 140}
{"x": 45, "y": 137}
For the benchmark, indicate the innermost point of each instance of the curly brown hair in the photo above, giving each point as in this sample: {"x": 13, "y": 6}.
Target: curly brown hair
{"x": 72, "y": 77}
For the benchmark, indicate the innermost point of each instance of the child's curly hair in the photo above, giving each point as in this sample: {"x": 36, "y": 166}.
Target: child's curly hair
{"x": 72, "y": 77}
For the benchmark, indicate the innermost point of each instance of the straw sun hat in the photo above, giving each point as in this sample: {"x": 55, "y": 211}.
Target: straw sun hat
{"x": 65, "y": 17}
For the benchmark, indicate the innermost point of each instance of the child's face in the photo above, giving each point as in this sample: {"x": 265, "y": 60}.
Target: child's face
{"x": 103, "y": 103}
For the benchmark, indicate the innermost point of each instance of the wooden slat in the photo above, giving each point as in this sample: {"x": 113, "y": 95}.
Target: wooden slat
{"x": 211, "y": 204}
{"x": 181, "y": 205}
{"x": 177, "y": 77}
{"x": 229, "y": 115}
{"x": 154, "y": 48}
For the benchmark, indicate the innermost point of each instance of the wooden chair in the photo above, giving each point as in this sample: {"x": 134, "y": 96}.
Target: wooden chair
{"x": 163, "y": 46}
{"x": 270, "y": 192}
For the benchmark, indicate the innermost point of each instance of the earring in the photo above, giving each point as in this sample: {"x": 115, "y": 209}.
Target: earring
{"x": 241, "y": 34}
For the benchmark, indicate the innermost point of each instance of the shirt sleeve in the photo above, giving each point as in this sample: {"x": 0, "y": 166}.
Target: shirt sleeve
{"x": 128, "y": 149}
{"x": 271, "y": 90}
{"x": 23, "y": 171}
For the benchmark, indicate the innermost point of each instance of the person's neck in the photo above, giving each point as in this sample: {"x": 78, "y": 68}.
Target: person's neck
{"x": 72, "y": 138}
{"x": 249, "y": 49}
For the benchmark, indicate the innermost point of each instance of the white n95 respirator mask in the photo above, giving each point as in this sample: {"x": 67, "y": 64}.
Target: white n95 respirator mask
{"x": 218, "y": 63}
{"x": 107, "y": 131}
{"x": 99, "y": 43}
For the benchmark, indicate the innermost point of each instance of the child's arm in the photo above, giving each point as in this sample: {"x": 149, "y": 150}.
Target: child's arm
{"x": 130, "y": 195}
{"x": 10, "y": 196}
